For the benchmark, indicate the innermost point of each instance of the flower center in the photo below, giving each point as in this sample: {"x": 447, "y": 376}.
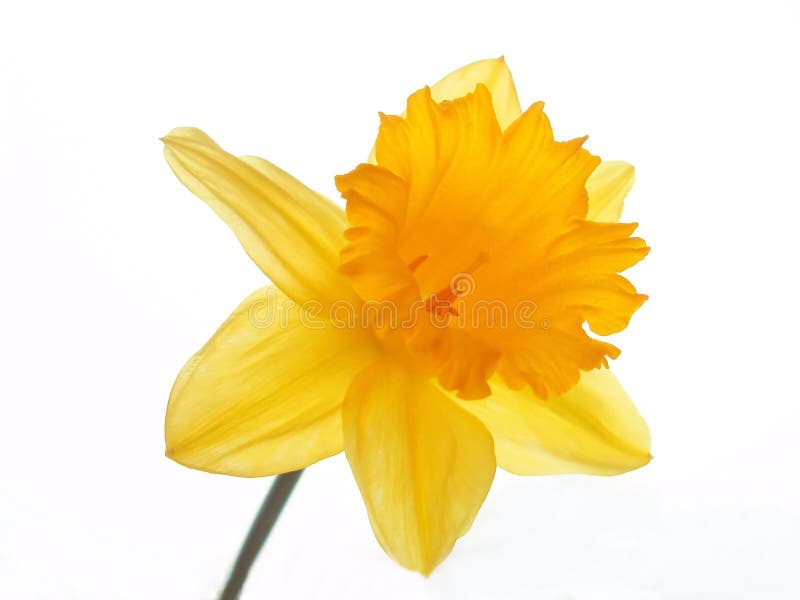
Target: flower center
{"x": 454, "y": 200}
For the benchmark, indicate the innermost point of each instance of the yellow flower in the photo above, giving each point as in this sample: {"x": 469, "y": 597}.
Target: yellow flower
{"x": 490, "y": 245}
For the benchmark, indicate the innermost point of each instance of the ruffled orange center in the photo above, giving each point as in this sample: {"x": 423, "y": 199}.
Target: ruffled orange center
{"x": 479, "y": 238}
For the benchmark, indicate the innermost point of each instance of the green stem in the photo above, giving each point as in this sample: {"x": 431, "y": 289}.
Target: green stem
{"x": 267, "y": 515}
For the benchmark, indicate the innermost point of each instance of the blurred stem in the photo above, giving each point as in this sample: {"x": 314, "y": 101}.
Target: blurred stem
{"x": 265, "y": 519}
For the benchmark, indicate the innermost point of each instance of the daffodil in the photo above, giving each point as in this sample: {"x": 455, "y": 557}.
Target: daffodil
{"x": 466, "y": 208}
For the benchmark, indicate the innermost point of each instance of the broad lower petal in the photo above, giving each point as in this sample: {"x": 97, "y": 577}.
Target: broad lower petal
{"x": 594, "y": 428}
{"x": 607, "y": 186}
{"x": 264, "y": 395}
{"x": 292, "y": 233}
{"x": 423, "y": 464}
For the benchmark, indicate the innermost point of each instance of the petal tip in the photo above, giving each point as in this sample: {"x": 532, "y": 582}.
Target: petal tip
{"x": 174, "y": 454}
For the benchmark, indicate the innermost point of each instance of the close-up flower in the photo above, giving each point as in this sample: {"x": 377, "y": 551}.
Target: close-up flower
{"x": 438, "y": 373}
{"x": 497, "y": 251}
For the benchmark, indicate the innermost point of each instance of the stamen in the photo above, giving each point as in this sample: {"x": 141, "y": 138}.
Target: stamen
{"x": 414, "y": 264}
{"x": 441, "y": 302}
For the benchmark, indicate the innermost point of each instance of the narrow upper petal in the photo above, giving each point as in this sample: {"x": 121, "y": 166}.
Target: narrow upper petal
{"x": 495, "y": 75}
{"x": 594, "y": 428}
{"x": 607, "y": 186}
{"x": 292, "y": 233}
{"x": 423, "y": 464}
{"x": 491, "y": 72}
{"x": 263, "y": 396}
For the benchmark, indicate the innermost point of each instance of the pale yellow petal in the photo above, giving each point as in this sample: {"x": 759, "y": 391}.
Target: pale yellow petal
{"x": 491, "y": 72}
{"x": 424, "y": 465}
{"x": 292, "y": 233}
{"x": 607, "y": 186}
{"x": 495, "y": 75}
{"x": 264, "y": 395}
{"x": 594, "y": 428}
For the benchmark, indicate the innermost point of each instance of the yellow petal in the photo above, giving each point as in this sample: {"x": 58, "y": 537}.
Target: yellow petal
{"x": 292, "y": 233}
{"x": 607, "y": 187}
{"x": 494, "y": 74}
{"x": 424, "y": 465}
{"x": 594, "y": 428}
{"x": 263, "y": 396}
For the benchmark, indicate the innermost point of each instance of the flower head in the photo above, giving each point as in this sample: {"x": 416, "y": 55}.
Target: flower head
{"x": 490, "y": 245}
{"x": 453, "y": 194}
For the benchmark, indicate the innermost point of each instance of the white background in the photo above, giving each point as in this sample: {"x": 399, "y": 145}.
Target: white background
{"x": 113, "y": 274}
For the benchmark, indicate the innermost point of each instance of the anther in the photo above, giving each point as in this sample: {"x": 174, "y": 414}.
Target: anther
{"x": 414, "y": 264}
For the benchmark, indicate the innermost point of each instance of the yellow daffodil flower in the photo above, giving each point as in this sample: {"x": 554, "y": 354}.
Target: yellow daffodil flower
{"x": 491, "y": 245}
